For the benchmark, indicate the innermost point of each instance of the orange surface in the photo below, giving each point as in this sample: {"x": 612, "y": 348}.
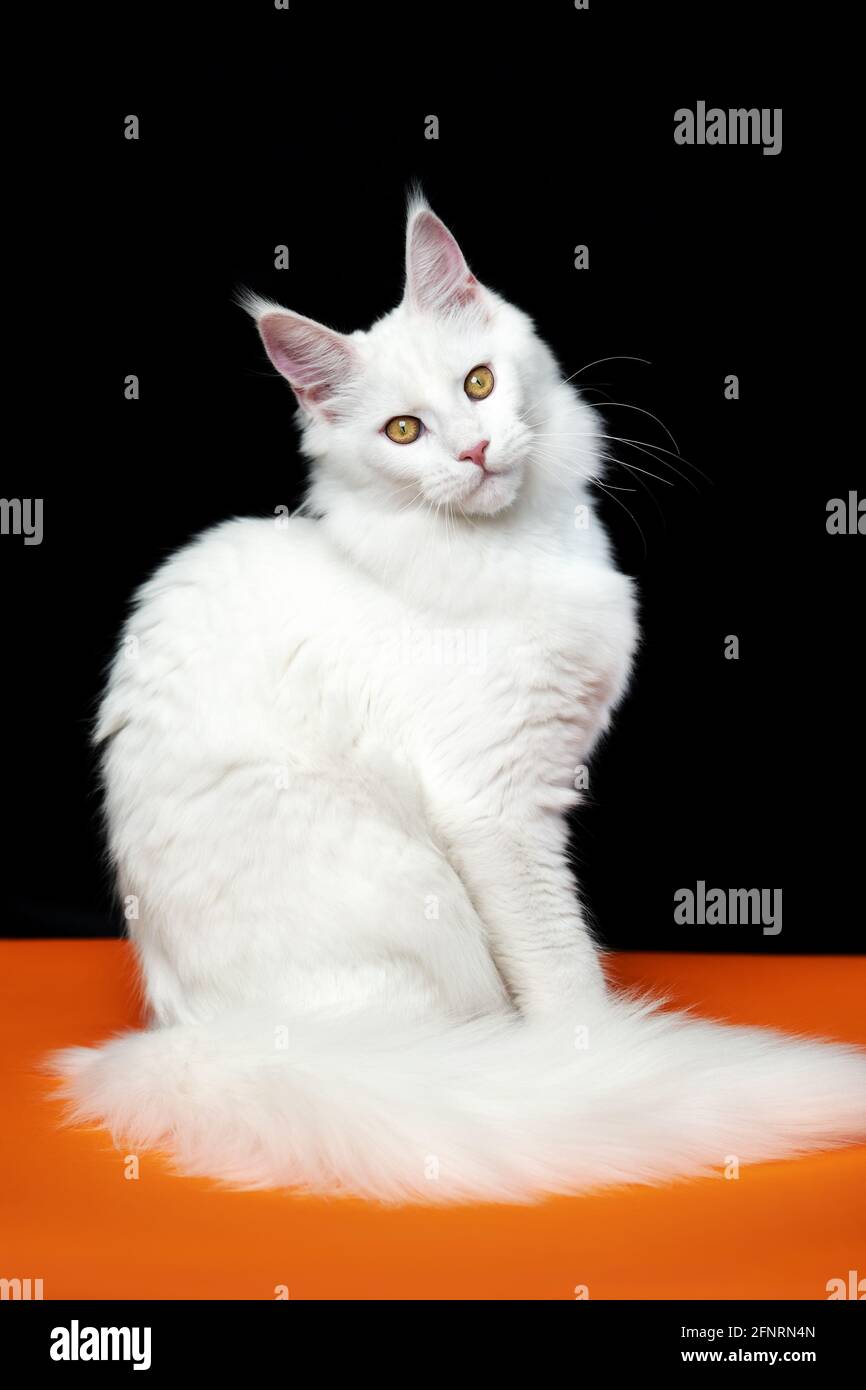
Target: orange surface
{"x": 71, "y": 1218}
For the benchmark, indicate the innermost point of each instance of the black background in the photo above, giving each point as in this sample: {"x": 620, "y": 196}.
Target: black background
{"x": 702, "y": 260}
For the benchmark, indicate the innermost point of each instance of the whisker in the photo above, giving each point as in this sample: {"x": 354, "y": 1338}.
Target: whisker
{"x": 642, "y": 445}
{"x": 647, "y": 489}
{"x": 633, "y": 468}
{"x": 586, "y": 368}
{"x": 627, "y": 512}
{"x": 623, "y": 405}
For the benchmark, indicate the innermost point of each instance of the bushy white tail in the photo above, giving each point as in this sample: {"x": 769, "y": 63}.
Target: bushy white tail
{"x": 497, "y": 1109}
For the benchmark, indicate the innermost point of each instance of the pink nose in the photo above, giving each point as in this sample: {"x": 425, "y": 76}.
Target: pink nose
{"x": 476, "y": 453}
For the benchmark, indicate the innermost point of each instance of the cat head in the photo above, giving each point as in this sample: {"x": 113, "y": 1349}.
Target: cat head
{"x": 443, "y": 402}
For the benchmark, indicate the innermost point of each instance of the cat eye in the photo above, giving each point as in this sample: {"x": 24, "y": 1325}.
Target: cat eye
{"x": 403, "y": 429}
{"x": 479, "y": 383}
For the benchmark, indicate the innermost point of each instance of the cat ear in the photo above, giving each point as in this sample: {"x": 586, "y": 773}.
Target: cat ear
{"x": 317, "y": 362}
{"x": 437, "y": 277}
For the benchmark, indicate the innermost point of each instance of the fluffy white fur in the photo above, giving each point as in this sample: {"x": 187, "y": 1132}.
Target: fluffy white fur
{"x": 337, "y": 755}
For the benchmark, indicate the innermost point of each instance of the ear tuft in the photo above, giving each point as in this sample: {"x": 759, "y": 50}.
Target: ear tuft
{"x": 438, "y": 280}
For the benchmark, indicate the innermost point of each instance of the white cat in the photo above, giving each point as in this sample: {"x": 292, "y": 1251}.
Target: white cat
{"x": 338, "y": 754}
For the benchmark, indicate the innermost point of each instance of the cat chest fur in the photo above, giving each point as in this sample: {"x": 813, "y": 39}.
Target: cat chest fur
{"x": 505, "y": 711}
{"x": 267, "y": 649}
{"x": 497, "y": 705}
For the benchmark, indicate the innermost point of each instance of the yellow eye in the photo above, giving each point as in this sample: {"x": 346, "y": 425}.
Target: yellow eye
{"x": 479, "y": 383}
{"x": 403, "y": 429}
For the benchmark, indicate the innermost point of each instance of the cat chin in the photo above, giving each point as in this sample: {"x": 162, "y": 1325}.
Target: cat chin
{"x": 496, "y": 493}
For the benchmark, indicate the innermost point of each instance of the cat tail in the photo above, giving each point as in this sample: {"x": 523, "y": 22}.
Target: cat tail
{"x": 500, "y": 1109}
